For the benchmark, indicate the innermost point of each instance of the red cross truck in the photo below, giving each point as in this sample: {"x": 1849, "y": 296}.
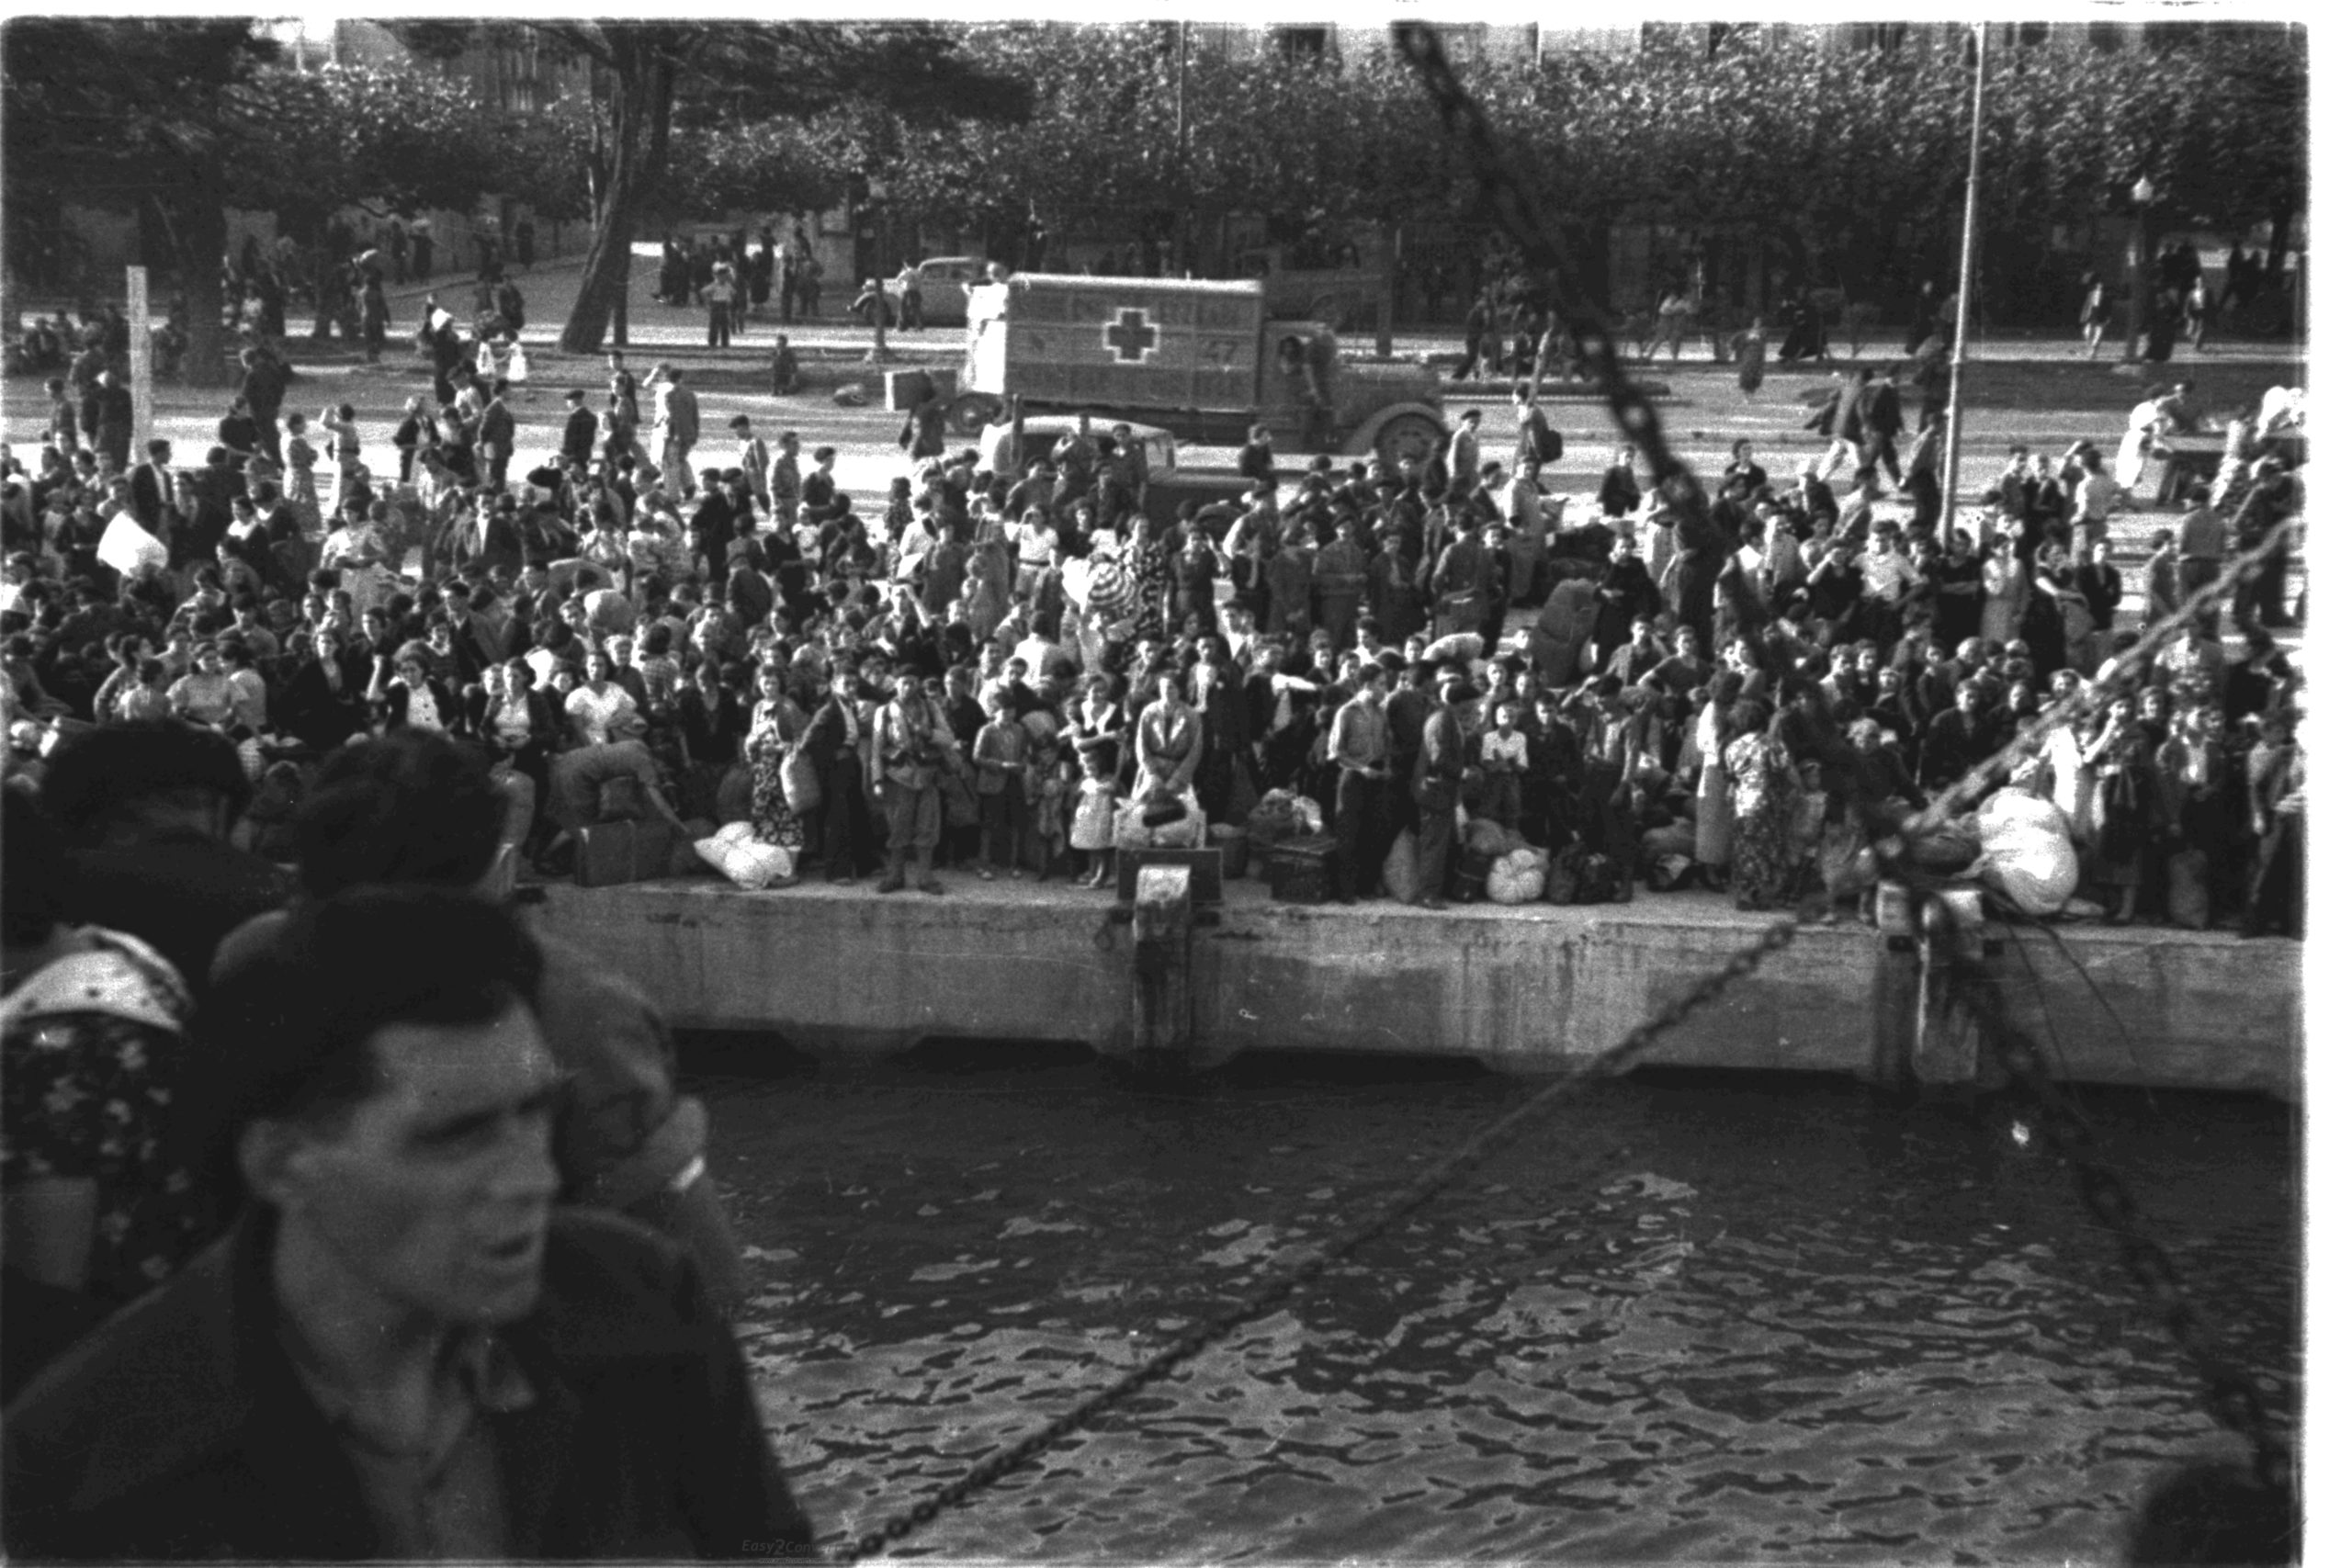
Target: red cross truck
{"x": 1201, "y": 359}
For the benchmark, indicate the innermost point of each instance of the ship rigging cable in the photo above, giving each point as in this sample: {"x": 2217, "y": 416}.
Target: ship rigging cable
{"x": 2229, "y": 1394}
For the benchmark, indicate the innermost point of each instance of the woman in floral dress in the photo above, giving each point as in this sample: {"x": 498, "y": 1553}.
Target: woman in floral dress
{"x": 775, "y": 725}
{"x": 1765, "y": 787}
{"x": 1145, "y": 560}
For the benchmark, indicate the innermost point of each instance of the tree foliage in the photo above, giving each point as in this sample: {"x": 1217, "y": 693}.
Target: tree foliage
{"x": 308, "y": 143}
{"x": 1848, "y": 162}
{"x": 715, "y": 81}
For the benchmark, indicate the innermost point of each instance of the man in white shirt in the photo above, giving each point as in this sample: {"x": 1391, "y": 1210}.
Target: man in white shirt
{"x": 2095, "y": 499}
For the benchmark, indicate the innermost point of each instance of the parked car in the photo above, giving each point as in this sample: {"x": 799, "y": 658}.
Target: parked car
{"x": 942, "y": 280}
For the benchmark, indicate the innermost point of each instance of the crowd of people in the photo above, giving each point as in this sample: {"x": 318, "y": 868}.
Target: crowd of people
{"x": 1016, "y": 654}
{"x": 734, "y": 274}
{"x": 277, "y": 723}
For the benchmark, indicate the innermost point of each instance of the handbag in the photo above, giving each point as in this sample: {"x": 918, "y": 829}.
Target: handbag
{"x": 803, "y": 788}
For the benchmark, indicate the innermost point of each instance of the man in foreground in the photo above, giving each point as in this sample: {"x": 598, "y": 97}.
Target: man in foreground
{"x": 401, "y": 1349}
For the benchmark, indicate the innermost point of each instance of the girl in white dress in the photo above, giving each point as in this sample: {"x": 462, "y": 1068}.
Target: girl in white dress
{"x": 1098, "y": 804}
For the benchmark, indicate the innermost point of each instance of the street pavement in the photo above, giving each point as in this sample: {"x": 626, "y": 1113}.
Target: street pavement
{"x": 1703, "y": 411}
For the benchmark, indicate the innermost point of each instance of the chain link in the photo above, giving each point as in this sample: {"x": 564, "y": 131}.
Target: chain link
{"x": 2128, "y": 666}
{"x": 2229, "y": 1394}
{"x": 1638, "y": 419}
{"x": 1277, "y": 1289}
{"x": 2234, "y": 1401}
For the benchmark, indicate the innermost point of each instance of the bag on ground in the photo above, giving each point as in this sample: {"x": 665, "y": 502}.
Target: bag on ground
{"x": 2027, "y": 855}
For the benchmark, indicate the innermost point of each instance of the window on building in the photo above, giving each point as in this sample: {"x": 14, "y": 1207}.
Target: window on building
{"x": 1302, "y": 43}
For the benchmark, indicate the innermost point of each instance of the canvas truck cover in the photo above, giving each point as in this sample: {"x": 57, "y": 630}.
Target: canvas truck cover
{"x": 1125, "y": 342}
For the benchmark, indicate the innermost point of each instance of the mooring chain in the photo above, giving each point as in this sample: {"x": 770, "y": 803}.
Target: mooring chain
{"x": 2128, "y": 665}
{"x": 2230, "y": 1394}
{"x": 1514, "y": 211}
{"x": 1280, "y": 1287}
{"x": 1637, "y": 417}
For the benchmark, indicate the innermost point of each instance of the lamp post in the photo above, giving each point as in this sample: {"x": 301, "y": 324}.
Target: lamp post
{"x": 1950, "y": 476}
{"x": 2144, "y": 196}
{"x": 877, "y": 192}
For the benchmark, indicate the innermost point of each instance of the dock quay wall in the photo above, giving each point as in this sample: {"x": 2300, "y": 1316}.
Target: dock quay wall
{"x": 1533, "y": 988}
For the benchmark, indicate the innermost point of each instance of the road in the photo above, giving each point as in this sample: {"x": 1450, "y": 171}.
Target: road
{"x": 2048, "y": 397}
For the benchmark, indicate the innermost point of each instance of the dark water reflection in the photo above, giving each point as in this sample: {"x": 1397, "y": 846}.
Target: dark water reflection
{"x": 1692, "y": 1317}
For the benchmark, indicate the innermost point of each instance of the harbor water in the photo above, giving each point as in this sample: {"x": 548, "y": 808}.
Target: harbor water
{"x": 1689, "y": 1318}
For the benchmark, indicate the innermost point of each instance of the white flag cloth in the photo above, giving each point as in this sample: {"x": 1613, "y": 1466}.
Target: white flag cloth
{"x": 126, "y": 547}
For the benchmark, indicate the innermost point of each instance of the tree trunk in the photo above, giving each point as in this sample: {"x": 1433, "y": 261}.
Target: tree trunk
{"x": 2274, "y": 263}
{"x": 644, "y": 79}
{"x": 199, "y": 231}
{"x": 604, "y": 280}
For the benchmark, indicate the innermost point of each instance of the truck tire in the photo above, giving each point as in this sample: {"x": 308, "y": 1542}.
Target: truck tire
{"x": 972, "y": 412}
{"x": 1409, "y": 438}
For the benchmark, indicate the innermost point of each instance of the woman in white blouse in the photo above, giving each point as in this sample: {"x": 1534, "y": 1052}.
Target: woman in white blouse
{"x": 599, "y": 706}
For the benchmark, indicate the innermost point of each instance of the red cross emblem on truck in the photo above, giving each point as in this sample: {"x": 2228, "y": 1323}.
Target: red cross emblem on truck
{"x": 1130, "y": 335}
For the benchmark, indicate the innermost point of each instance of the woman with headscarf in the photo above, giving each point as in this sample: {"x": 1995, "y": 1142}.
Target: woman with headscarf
{"x": 1766, "y": 791}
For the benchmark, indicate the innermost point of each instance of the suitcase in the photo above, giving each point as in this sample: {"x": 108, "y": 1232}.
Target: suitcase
{"x": 615, "y": 853}
{"x": 1468, "y": 883}
{"x": 1304, "y": 871}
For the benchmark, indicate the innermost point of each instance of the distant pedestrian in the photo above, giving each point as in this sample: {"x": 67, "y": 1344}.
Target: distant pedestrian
{"x": 909, "y": 298}
{"x": 1748, "y": 351}
{"x": 719, "y": 294}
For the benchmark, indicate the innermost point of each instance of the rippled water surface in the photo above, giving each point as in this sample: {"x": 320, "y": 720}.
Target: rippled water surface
{"x": 1692, "y": 1317}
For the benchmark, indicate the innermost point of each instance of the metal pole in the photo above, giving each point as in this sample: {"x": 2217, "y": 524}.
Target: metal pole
{"x": 1950, "y": 476}
{"x": 1183, "y": 148}
{"x": 142, "y": 360}
{"x": 2139, "y": 304}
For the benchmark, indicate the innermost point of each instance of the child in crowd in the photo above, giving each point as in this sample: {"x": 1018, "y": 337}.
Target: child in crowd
{"x": 1098, "y": 804}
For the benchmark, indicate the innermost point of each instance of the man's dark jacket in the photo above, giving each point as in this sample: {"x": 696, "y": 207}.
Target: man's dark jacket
{"x": 180, "y": 1428}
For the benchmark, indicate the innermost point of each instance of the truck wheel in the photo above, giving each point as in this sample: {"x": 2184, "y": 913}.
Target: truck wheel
{"x": 1409, "y": 438}
{"x": 971, "y": 412}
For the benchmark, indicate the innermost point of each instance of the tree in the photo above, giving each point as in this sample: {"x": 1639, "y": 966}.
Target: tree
{"x": 148, "y": 111}
{"x": 190, "y": 118}
{"x": 657, "y": 77}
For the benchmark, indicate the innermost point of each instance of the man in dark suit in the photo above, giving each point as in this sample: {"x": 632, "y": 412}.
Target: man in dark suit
{"x": 1620, "y": 487}
{"x": 712, "y": 526}
{"x": 1882, "y": 426}
{"x": 1959, "y": 737}
{"x": 152, "y": 487}
{"x": 578, "y": 430}
{"x": 495, "y": 438}
{"x": 1437, "y": 788}
{"x": 239, "y": 434}
{"x": 264, "y": 391}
